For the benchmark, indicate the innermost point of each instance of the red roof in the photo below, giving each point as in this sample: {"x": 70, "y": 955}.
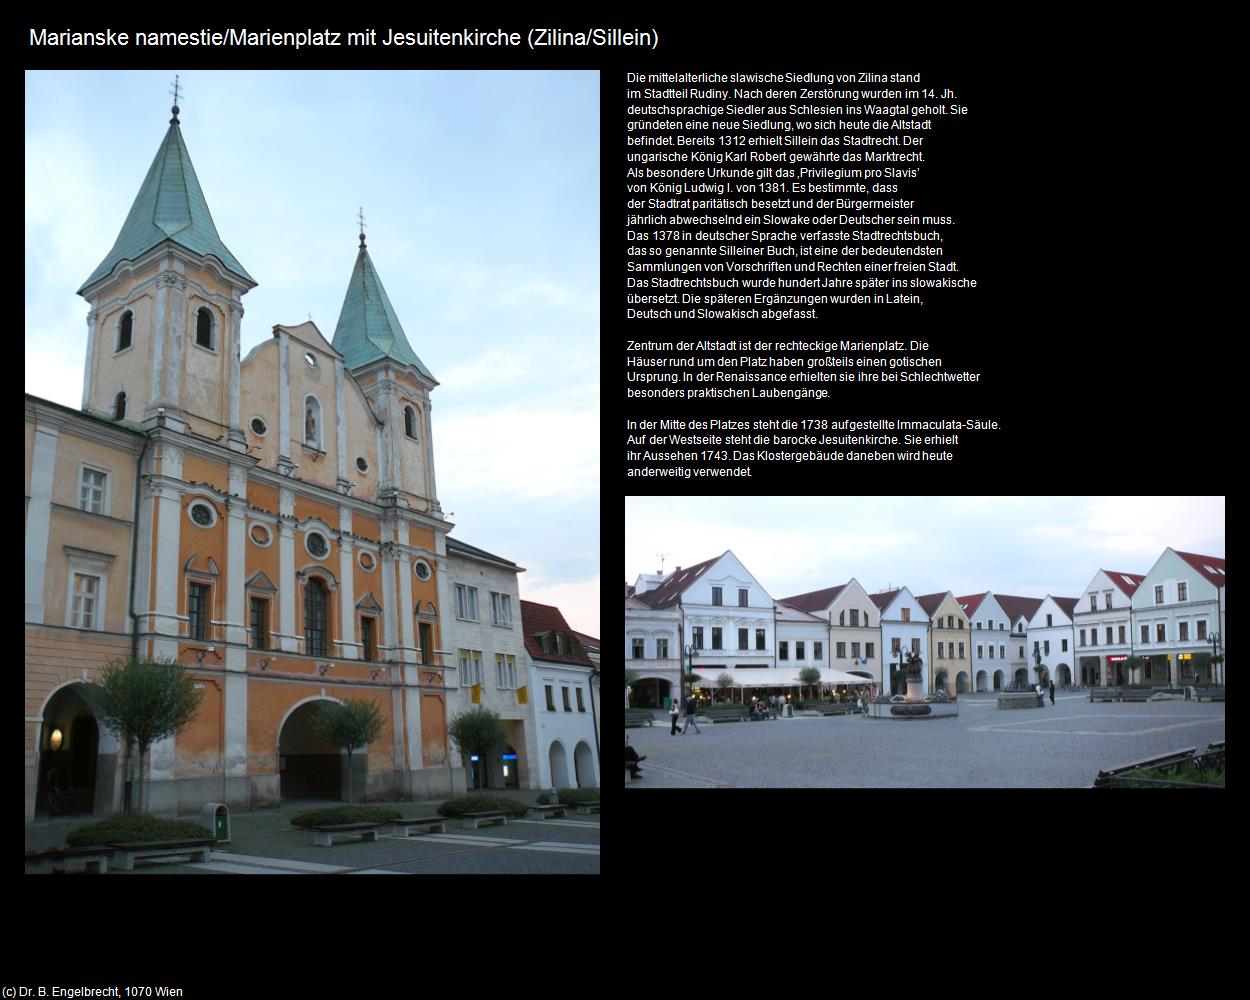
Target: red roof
{"x": 537, "y": 619}
{"x": 1018, "y": 607}
{"x": 675, "y": 585}
{"x": 1209, "y": 566}
{"x": 971, "y": 604}
{"x": 1127, "y": 582}
{"x": 931, "y": 602}
{"x": 1066, "y": 604}
{"x": 883, "y": 600}
{"x": 818, "y": 600}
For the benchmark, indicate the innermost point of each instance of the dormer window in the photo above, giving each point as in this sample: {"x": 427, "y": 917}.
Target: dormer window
{"x": 410, "y": 422}
{"x": 125, "y": 332}
{"x": 204, "y": 327}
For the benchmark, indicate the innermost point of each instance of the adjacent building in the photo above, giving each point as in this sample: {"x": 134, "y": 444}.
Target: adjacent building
{"x": 1051, "y": 639}
{"x": 949, "y": 654}
{"x": 1104, "y": 628}
{"x": 854, "y": 622}
{"x": 1178, "y": 612}
{"x": 904, "y": 630}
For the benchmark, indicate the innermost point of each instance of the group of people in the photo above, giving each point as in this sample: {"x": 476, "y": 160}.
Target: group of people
{"x": 1041, "y": 694}
{"x": 691, "y": 708}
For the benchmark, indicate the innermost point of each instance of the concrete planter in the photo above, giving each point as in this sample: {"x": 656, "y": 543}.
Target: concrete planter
{"x": 906, "y": 711}
{"x": 1018, "y": 699}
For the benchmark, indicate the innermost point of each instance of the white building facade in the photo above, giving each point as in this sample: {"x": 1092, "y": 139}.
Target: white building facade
{"x": 1051, "y": 637}
{"x": 1176, "y": 612}
{"x": 904, "y": 629}
{"x": 990, "y": 638}
{"x": 1104, "y": 628}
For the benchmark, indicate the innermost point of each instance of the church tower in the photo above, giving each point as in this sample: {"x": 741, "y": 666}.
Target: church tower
{"x": 377, "y": 353}
{"x": 163, "y": 330}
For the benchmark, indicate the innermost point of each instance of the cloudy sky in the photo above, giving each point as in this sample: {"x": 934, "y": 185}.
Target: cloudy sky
{"x": 1026, "y": 546}
{"x": 481, "y": 200}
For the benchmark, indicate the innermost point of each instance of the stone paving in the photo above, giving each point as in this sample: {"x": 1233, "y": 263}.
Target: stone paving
{"x": 263, "y": 842}
{"x": 1060, "y": 746}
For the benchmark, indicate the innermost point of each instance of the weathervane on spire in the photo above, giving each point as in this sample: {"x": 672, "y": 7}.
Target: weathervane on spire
{"x": 362, "y": 227}
{"x": 175, "y": 109}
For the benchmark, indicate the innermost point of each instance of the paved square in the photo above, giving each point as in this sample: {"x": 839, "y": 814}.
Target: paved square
{"x": 1060, "y": 746}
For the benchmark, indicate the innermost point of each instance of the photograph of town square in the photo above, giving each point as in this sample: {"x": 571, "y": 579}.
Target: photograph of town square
{"x": 950, "y": 642}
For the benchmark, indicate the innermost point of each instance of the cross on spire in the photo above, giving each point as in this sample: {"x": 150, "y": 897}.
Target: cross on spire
{"x": 361, "y": 220}
{"x": 175, "y": 91}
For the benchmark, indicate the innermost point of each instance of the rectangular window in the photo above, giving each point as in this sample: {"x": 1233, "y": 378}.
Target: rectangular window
{"x": 501, "y": 609}
{"x": 718, "y": 641}
{"x": 870, "y": 650}
{"x": 800, "y": 650}
{"x": 86, "y": 590}
{"x": 639, "y": 648}
{"x": 259, "y": 634}
{"x": 855, "y": 651}
{"x": 1158, "y": 595}
{"x": 1161, "y": 633}
{"x": 1122, "y": 639}
{"x": 1202, "y": 630}
{"x": 760, "y": 636}
{"x": 1050, "y": 621}
{"x": 1093, "y": 602}
{"x": 91, "y": 497}
{"x": 369, "y": 645}
{"x": 477, "y": 666}
{"x": 565, "y": 692}
{"x": 784, "y": 648}
{"x": 470, "y": 667}
{"x": 1145, "y": 635}
{"x": 915, "y": 646}
{"x": 1184, "y": 626}
{"x": 1108, "y": 600}
{"x": 854, "y": 618}
{"x": 661, "y": 649}
{"x": 1110, "y": 634}
{"x": 1046, "y": 648}
{"x": 896, "y": 646}
{"x": 1064, "y": 643}
{"x": 941, "y": 651}
{"x": 981, "y": 652}
{"x": 697, "y": 636}
{"x": 197, "y": 611}
{"x": 718, "y": 597}
{"x": 581, "y": 706}
{"x": 316, "y": 619}
{"x": 1182, "y": 591}
{"x": 1002, "y": 652}
{"x": 551, "y": 705}
{"x": 466, "y": 602}
{"x": 744, "y": 638}
{"x": 744, "y": 598}
{"x": 842, "y": 650}
{"x": 818, "y": 653}
{"x": 907, "y": 614}
{"x": 1082, "y": 637}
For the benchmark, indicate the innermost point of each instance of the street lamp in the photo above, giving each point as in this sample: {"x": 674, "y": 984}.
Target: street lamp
{"x": 1215, "y": 654}
{"x": 690, "y": 651}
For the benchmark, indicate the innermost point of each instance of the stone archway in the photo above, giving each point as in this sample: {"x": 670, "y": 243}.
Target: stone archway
{"x": 77, "y": 761}
{"x": 983, "y": 683}
{"x": 961, "y": 682}
{"x": 1063, "y": 675}
{"x": 1022, "y": 676}
{"x": 308, "y": 766}
{"x": 559, "y": 765}
{"x": 650, "y": 692}
{"x": 584, "y": 765}
{"x": 998, "y": 680}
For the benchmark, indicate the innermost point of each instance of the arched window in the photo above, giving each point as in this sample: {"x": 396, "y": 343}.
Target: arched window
{"x": 119, "y": 407}
{"x": 204, "y": 327}
{"x": 125, "y": 330}
{"x": 312, "y": 422}
{"x": 410, "y": 422}
{"x": 316, "y": 618}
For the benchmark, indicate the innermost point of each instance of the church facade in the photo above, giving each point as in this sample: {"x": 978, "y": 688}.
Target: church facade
{"x": 270, "y": 522}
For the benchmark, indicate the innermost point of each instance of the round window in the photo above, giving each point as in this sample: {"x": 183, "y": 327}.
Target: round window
{"x": 367, "y": 562}
{"x": 258, "y": 427}
{"x": 260, "y": 534}
{"x": 361, "y": 464}
{"x": 422, "y": 569}
{"x": 317, "y": 545}
{"x": 310, "y": 360}
{"x": 202, "y": 514}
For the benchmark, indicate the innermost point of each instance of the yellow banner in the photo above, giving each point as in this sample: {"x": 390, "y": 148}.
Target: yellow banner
{"x": 522, "y": 695}
{"x": 477, "y": 694}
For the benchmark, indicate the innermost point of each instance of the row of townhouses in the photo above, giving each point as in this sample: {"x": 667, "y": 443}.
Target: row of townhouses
{"x": 715, "y": 618}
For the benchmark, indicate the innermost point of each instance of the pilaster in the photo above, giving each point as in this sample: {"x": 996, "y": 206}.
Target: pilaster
{"x": 237, "y": 440}
{"x": 286, "y": 571}
{"x": 86, "y": 378}
{"x": 347, "y": 587}
{"x": 39, "y": 518}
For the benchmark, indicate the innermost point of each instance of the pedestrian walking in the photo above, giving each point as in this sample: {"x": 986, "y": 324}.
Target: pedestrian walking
{"x": 1041, "y": 698}
{"x": 690, "y": 720}
{"x": 1052, "y": 692}
{"x": 675, "y": 712}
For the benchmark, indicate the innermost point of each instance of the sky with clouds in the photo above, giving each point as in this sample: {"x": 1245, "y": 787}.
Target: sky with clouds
{"x": 1020, "y": 545}
{"x": 481, "y": 201}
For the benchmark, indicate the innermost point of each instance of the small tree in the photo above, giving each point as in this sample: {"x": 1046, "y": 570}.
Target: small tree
{"x": 725, "y": 681}
{"x": 350, "y": 725}
{"x": 142, "y": 702}
{"x": 809, "y": 676}
{"x": 476, "y": 731}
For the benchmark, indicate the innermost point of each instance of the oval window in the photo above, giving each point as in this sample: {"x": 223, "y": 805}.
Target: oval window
{"x": 310, "y": 359}
{"x": 361, "y": 464}
{"x": 260, "y": 535}
{"x": 367, "y": 562}
{"x": 317, "y": 545}
{"x": 258, "y": 427}
{"x": 202, "y": 514}
{"x": 422, "y": 569}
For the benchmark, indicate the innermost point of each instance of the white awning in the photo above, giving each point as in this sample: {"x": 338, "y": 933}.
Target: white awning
{"x": 789, "y": 678}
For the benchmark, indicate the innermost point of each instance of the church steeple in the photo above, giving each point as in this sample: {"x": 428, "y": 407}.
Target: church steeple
{"x": 368, "y": 328}
{"x": 169, "y": 206}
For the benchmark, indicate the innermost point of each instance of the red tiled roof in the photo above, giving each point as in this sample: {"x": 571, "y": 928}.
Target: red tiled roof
{"x": 1066, "y": 604}
{"x": 1204, "y": 564}
{"x": 537, "y": 619}
{"x": 1127, "y": 582}
{"x": 1018, "y": 607}
{"x": 818, "y": 600}
{"x": 675, "y": 584}
{"x": 589, "y": 641}
{"x": 972, "y": 603}
{"x": 882, "y": 601}
{"x": 931, "y": 602}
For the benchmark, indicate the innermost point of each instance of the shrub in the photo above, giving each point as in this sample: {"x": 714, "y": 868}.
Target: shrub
{"x": 338, "y": 815}
{"x": 578, "y": 796}
{"x": 134, "y": 829}
{"x": 481, "y": 803}
{"x": 544, "y": 799}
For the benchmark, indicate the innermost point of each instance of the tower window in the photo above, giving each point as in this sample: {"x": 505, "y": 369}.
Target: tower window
{"x": 410, "y": 422}
{"x": 119, "y": 407}
{"x": 312, "y": 422}
{"x": 204, "y": 328}
{"x": 315, "y": 618}
{"x": 125, "y": 331}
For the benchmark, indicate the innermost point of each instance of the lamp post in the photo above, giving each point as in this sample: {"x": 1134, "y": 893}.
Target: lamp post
{"x": 1216, "y": 659}
{"x": 690, "y": 651}
{"x": 900, "y": 668}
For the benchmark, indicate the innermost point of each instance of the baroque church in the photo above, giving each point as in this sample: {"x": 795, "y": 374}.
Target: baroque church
{"x": 270, "y": 522}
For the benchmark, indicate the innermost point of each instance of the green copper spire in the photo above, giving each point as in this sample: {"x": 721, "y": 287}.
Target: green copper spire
{"x": 368, "y": 328}
{"x": 169, "y": 206}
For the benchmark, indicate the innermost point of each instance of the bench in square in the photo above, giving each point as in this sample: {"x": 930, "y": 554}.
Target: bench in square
{"x": 95, "y": 858}
{"x": 404, "y": 827}
{"x": 127, "y": 854}
{"x": 323, "y": 836}
{"x": 471, "y": 821}
{"x": 542, "y": 812}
